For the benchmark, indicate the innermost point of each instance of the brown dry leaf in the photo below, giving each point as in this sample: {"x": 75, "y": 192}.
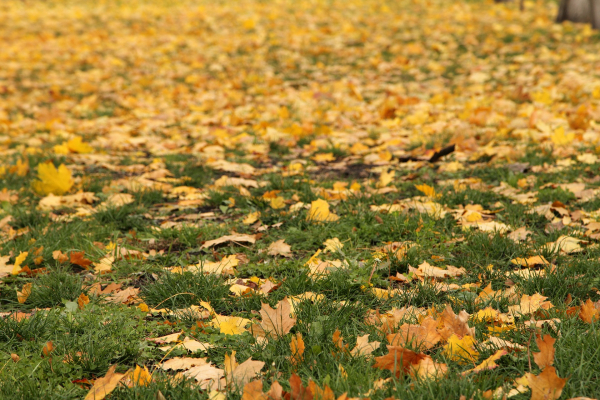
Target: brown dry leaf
{"x": 338, "y": 340}
{"x": 426, "y": 270}
{"x": 5, "y": 269}
{"x": 488, "y": 363}
{"x": 173, "y": 337}
{"x": 238, "y": 375}
{"x": 48, "y": 349}
{"x": 237, "y": 238}
{"x": 59, "y": 256}
{"x": 565, "y": 244}
{"x": 118, "y": 200}
{"x": 424, "y": 336}
{"x": 24, "y": 293}
{"x": 298, "y": 391}
{"x": 208, "y": 376}
{"x": 530, "y": 304}
{"x": 545, "y": 357}
{"x": 547, "y": 385}
{"x": 280, "y": 248}
{"x": 364, "y": 347}
{"x": 530, "y": 262}
{"x": 519, "y": 235}
{"x": 125, "y": 296}
{"x": 321, "y": 394}
{"x": 398, "y": 360}
{"x": 427, "y": 368}
{"x": 82, "y": 301}
{"x": 254, "y": 391}
{"x": 496, "y": 342}
{"x": 455, "y": 324}
{"x": 182, "y": 363}
{"x": 103, "y": 386}
{"x": 78, "y": 258}
{"x": 588, "y": 312}
{"x": 297, "y": 348}
{"x": 277, "y": 321}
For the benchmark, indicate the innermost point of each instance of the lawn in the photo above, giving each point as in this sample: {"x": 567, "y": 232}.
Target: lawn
{"x": 299, "y": 200}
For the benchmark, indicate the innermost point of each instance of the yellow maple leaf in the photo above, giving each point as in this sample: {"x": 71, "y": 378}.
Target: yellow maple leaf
{"x": 277, "y": 203}
{"x": 76, "y": 145}
{"x": 251, "y": 218}
{"x": 18, "y": 261}
{"x": 141, "y": 376}
{"x": 560, "y": 138}
{"x": 385, "y": 178}
{"x": 53, "y": 180}
{"x": 323, "y": 157}
{"x": 461, "y": 350}
{"x": 230, "y": 325}
{"x": 319, "y": 211}
{"x": 426, "y": 190}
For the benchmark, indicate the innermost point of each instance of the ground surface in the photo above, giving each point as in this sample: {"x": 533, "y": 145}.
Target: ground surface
{"x": 303, "y": 135}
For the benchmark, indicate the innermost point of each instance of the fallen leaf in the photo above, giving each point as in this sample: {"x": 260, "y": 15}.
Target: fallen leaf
{"x": 461, "y": 350}
{"x": 141, "y": 376}
{"x": 103, "y": 386}
{"x": 298, "y": 391}
{"x": 53, "y": 180}
{"x": 319, "y": 211}
{"x": 488, "y": 363}
{"x": 277, "y": 321}
{"x": 547, "y": 385}
{"x": 182, "y": 363}
{"x": 237, "y": 238}
{"x": 208, "y": 376}
{"x": 297, "y": 349}
{"x": 254, "y": 391}
{"x": 427, "y": 368}
{"x": 78, "y": 258}
{"x": 82, "y": 301}
{"x": 24, "y": 293}
{"x": 364, "y": 347}
{"x": 230, "y": 325}
{"x": 239, "y": 375}
{"x": 280, "y": 248}
{"x": 398, "y": 360}
{"x": 545, "y": 357}
{"x": 588, "y": 312}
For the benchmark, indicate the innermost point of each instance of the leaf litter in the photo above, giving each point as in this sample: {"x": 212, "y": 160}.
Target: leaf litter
{"x": 408, "y": 174}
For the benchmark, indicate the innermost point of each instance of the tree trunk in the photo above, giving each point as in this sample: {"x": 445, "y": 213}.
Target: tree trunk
{"x": 585, "y": 11}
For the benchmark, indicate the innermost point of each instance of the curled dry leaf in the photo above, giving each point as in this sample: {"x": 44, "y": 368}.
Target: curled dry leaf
{"x": 237, "y": 238}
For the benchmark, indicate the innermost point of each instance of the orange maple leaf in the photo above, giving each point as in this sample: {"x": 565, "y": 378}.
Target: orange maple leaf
{"x": 398, "y": 360}
{"x": 78, "y": 258}
{"x": 547, "y": 385}
{"x": 545, "y": 357}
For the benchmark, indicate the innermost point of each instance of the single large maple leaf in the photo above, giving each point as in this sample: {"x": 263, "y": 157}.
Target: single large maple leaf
{"x": 277, "y": 321}
{"x": 398, "y": 360}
